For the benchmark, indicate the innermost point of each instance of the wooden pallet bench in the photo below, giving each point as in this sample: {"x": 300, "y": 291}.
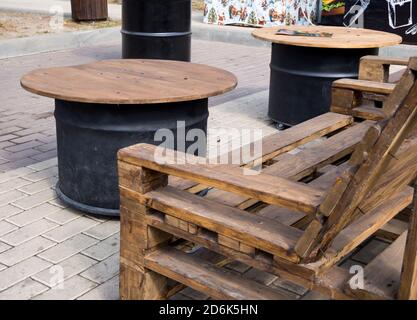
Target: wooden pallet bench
{"x": 298, "y": 218}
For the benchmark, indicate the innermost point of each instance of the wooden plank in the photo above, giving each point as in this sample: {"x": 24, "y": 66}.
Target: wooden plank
{"x": 365, "y": 226}
{"x": 291, "y": 217}
{"x": 378, "y": 158}
{"x": 304, "y": 163}
{"x": 377, "y": 68}
{"x": 274, "y": 145}
{"x": 364, "y": 86}
{"x": 344, "y": 100}
{"x": 264, "y": 187}
{"x": 330, "y": 283}
{"x": 382, "y": 275}
{"x": 287, "y": 140}
{"x": 392, "y": 229}
{"x": 385, "y": 60}
{"x": 368, "y": 112}
{"x": 258, "y": 232}
{"x": 408, "y": 282}
{"x": 281, "y": 215}
{"x": 400, "y": 171}
{"x": 204, "y": 277}
{"x": 136, "y": 282}
{"x": 309, "y": 160}
{"x": 400, "y": 93}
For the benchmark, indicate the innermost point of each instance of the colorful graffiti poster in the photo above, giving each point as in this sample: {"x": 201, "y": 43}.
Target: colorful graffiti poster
{"x": 260, "y": 12}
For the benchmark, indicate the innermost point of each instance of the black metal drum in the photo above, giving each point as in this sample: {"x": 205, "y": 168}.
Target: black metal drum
{"x": 301, "y": 79}
{"x": 156, "y": 29}
{"x": 89, "y": 136}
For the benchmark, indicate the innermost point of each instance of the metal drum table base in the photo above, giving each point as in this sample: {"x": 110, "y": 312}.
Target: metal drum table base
{"x": 301, "y": 79}
{"x": 89, "y": 136}
{"x": 157, "y": 29}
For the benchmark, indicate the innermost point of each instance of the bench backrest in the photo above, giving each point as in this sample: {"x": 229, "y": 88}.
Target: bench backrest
{"x": 384, "y": 163}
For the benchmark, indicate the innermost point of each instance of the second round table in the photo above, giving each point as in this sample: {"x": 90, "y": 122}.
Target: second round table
{"x": 304, "y": 67}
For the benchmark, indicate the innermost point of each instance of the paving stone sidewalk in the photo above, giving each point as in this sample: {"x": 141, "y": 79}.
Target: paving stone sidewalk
{"x": 48, "y": 251}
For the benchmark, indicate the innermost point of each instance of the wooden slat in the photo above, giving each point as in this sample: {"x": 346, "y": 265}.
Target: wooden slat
{"x": 365, "y": 86}
{"x": 368, "y": 112}
{"x": 362, "y": 228}
{"x": 202, "y": 276}
{"x": 267, "y": 188}
{"x": 377, "y": 68}
{"x": 377, "y": 158}
{"x": 274, "y": 145}
{"x": 399, "y": 172}
{"x": 330, "y": 283}
{"x": 400, "y": 93}
{"x": 382, "y": 275}
{"x": 291, "y": 217}
{"x": 302, "y": 133}
{"x": 385, "y": 60}
{"x": 259, "y": 232}
{"x": 302, "y": 164}
{"x": 309, "y": 160}
{"x": 287, "y": 140}
{"x": 392, "y": 229}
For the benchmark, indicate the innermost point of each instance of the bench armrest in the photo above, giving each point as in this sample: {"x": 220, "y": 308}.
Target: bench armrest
{"x": 263, "y": 187}
{"x": 364, "y": 86}
{"x": 376, "y": 68}
{"x": 358, "y": 98}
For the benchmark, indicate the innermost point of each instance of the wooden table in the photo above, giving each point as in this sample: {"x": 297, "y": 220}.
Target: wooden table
{"x": 303, "y": 68}
{"x": 105, "y": 106}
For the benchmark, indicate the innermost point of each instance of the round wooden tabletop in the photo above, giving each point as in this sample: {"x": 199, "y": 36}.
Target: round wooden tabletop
{"x": 342, "y": 38}
{"x": 130, "y": 82}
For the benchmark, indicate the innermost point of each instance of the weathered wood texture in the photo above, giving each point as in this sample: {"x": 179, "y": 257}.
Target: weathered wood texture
{"x": 302, "y": 215}
{"x": 376, "y": 68}
{"x": 130, "y": 82}
{"x": 90, "y": 10}
{"x": 342, "y": 38}
{"x": 366, "y": 98}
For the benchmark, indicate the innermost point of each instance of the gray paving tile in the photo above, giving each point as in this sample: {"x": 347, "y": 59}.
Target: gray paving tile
{"x": 23, "y": 290}
{"x": 34, "y": 214}
{"x": 70, "y": 267}
{"x": 69, "y": 290}
{"x": 104, "y": 230}
{"x": 6, "y": 227}
{"x": 70, "y": 229}
{"x": 109, "y": 290}
{"x": 28, "y": 232}
{"x": 25, "y": 250}
{"x": 21, "y": 271}
{"x": 105, "y": 248}
{"x": 104, "y": 270}
{"x": 35, "y": 187}
{"x": 68, "y": 248}
{"x": 11, "y": 196}
{"x": 8, "y": 210}
{"x": 35, "y": 199}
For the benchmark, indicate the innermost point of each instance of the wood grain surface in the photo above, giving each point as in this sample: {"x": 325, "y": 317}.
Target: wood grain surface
{"x": 130, "y": 82}
{"x": 342, "y": 38}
